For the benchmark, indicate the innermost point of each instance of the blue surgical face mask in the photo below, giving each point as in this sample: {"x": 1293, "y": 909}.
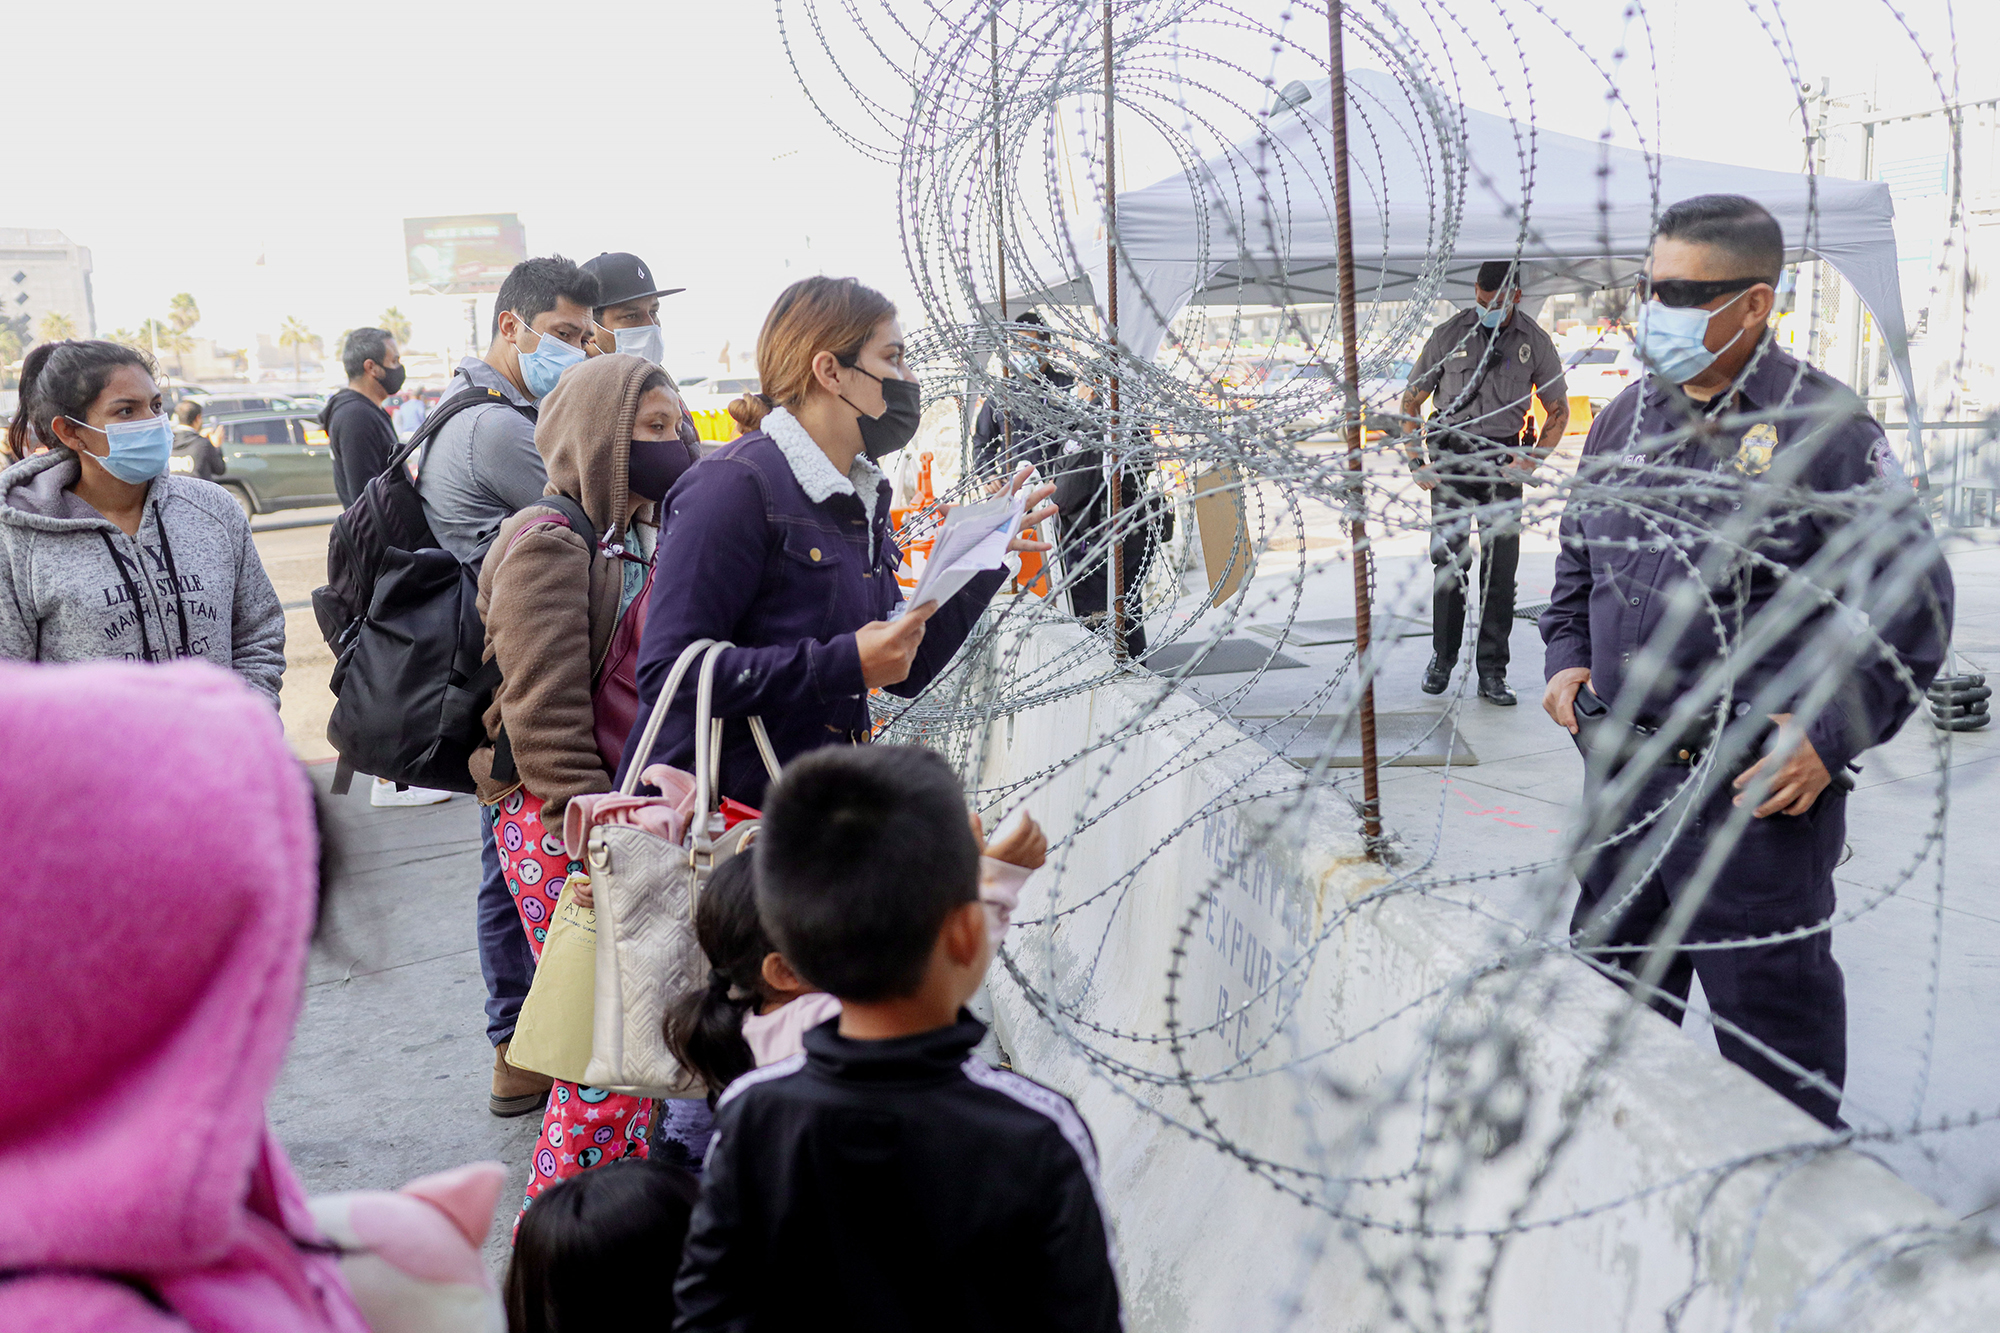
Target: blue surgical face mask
{"x": 1671, "y": 339}
{"x": 1493, "y": 316}
{"x": 139, "y": 450}
{"x": 541, "y": 368}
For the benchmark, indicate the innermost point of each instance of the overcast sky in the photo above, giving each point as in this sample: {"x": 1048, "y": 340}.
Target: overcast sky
{"x": 182, "y": 143}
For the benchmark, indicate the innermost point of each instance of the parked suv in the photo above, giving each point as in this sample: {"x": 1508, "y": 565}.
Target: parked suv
{"x": 222, "y": 405}
{"x": 277, "y": 459}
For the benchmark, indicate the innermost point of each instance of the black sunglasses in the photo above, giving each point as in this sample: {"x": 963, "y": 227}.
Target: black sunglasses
{"x": 1679, "y": 293}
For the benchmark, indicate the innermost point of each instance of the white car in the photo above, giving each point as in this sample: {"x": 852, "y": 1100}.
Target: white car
{"x": 716, "y": 394}
{"x": 1311, "y": 393}
{"x": 1601, "y": 371}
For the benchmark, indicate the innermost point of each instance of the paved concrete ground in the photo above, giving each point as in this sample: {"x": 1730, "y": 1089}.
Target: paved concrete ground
{"x": 389, "y": 1072}
{"x": 388, "y": 1075}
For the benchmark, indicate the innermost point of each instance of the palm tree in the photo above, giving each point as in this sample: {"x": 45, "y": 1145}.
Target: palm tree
{"x": 153, "y": 335}
{"x": 397, "y": 323}
{"x": 294, "y": 334}
{"x": 179, "y": 342}
{"x": 56, "y": 326}
{"x": 182, "y": 312}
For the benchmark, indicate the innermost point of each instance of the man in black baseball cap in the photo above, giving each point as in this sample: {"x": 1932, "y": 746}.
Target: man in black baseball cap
{"x": 629, "y": 319}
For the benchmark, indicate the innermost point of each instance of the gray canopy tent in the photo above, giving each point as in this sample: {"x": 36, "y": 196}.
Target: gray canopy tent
{"x": 1437, "y": 186}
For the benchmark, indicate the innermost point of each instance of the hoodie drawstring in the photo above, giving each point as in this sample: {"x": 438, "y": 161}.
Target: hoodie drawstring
{"x": 132, "y": 591}
{"x": 174, "y": 577}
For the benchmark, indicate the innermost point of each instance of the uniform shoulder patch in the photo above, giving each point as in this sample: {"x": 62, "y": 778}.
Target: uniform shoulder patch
{"x": 1882, "y": 461}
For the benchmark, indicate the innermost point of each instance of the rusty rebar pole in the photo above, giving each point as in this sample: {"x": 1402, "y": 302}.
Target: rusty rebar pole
{"x": 1000, "y": 246}
{"x": 1117, "y": 468}
{"x": 1350, "y": 365}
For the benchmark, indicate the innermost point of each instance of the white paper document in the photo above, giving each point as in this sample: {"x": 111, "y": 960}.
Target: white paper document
{"x": 973, "y": 538}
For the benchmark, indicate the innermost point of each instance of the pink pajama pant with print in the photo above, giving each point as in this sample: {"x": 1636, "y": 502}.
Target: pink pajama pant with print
{"x": 583, "y": 1126}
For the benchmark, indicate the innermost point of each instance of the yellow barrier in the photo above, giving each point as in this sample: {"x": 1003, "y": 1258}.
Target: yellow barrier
{"x": 1579, "y": 414}
{"x": 715, "y": 427}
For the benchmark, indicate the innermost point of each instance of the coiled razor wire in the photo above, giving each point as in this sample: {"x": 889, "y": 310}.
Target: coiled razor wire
{"x": 991, "y": 112}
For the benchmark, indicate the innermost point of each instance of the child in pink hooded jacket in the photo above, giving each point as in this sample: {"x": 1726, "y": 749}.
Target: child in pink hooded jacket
{"x": 162, "y": 835}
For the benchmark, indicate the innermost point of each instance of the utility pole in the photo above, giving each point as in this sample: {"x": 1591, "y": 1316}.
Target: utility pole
{"x": 1816, "y": 155}
{"x": 1350, "y": 361}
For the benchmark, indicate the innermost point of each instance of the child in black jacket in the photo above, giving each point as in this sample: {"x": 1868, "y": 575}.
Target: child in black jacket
{"x": 887, "y": 1178}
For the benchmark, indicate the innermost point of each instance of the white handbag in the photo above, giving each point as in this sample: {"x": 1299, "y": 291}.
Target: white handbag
{"x": 646, "y": 889}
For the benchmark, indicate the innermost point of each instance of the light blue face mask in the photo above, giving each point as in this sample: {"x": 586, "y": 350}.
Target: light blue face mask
{"x": 1493, "y": 316}
{"x": 1671, "y": 339}
{"x": 541, "y": 368}
{"x": 138, "y": 449}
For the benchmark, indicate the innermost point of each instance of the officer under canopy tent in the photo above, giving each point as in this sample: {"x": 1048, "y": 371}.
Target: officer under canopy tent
{"x": 1589, "y": 208}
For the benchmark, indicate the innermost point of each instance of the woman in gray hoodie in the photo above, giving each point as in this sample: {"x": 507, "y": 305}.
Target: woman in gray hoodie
{"x": 103, "y": 553}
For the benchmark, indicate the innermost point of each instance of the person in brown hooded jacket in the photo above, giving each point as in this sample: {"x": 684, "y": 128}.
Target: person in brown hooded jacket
{"x": 563, "y": 610}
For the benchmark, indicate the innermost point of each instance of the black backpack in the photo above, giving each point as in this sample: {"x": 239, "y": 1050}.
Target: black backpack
{"x": 402, "y": 618}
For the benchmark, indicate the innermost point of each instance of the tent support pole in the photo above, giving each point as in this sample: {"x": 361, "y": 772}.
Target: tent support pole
{"x": 1116, "y": 459}
{"x": 1350, "y": 360}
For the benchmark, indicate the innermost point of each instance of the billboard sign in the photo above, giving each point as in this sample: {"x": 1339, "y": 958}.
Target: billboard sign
{"x": 457, "y": 256}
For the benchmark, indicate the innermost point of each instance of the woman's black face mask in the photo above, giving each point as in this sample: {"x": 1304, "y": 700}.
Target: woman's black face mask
{"x": 655, "y": 466}
{"x": 897, "y": 426}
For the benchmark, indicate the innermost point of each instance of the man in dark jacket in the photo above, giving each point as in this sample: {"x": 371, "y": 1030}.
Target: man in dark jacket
{"x": 195, "y": 455}
{"x": 357, "y": 425}
{"x": 1048, "y": 427}
{"x": 887, "y": 1178}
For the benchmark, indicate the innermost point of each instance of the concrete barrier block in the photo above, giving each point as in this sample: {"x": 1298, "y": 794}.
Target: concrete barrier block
{"x": 1322, "y": 1101}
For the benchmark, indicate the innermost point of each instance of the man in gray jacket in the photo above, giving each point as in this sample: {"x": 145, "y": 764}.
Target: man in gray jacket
{"x": 475, "y": 473}
{"x": 482, "y": 467}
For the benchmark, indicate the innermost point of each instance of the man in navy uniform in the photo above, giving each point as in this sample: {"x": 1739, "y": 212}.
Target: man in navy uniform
{"x": 1478, "y": 368}
{"x": 1743, "y": 576}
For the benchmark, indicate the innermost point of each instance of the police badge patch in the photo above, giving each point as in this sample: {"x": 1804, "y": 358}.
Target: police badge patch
{"x": 1753, "y": 456}
{"x": 1522, "y": 354}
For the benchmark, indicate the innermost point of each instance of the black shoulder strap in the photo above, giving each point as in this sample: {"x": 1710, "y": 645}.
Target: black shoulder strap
{"x": 472, "y": 396}
{"x": 572, "y": 512}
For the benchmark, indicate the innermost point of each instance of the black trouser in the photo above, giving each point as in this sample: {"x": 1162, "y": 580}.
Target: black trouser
{"x": 1778, "y": 878}
{"x": 1090, "y": 579}
{"x": 1456, "y": 502}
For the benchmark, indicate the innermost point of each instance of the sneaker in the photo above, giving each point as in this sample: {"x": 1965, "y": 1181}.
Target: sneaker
{"x": 385, "y": 793}
{"x": 516, "y": 1091}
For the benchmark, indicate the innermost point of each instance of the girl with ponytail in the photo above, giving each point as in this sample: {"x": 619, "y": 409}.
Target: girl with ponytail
{"x": 755, "y": 1009}
{"x": 779, "y": 544}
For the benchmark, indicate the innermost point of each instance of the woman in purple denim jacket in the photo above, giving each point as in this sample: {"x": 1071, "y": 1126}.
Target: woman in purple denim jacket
{"x": 780, "y": 543}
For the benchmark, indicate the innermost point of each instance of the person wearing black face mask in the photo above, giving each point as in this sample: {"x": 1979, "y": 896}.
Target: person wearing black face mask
{"x": 358, "y": 428}
{"x": 562, "y": 592}
{"x": 779, "y": 543}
